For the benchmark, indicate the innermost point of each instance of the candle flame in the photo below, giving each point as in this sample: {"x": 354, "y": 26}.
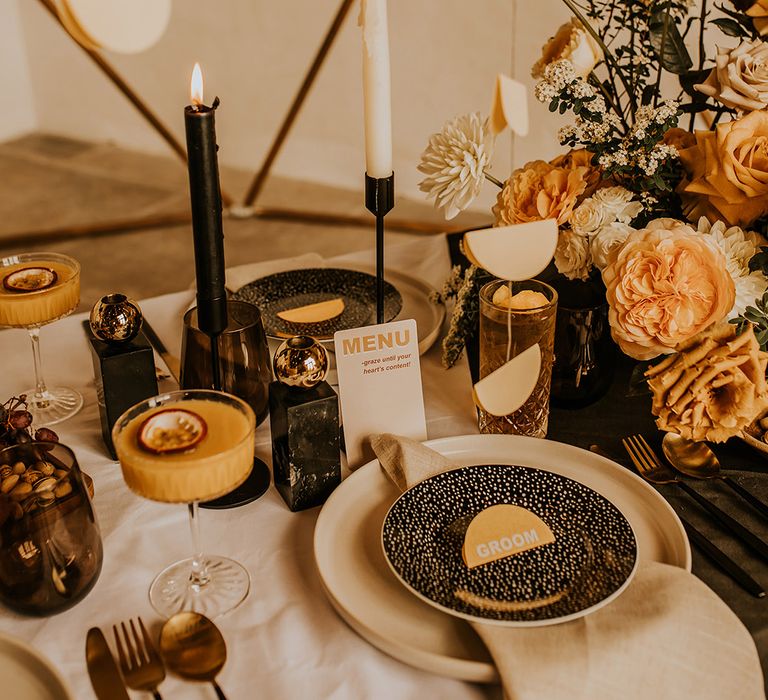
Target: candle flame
{"x": 196, "y": 86}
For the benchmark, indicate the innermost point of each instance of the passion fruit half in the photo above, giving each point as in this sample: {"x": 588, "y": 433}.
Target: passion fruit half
{"x": 171, "y": 430}
{"x": 30, "y": 279}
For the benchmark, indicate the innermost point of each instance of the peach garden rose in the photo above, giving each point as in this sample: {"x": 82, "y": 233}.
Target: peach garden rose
{"x": 540, "y": 191}
{"x": 664, "y": 285}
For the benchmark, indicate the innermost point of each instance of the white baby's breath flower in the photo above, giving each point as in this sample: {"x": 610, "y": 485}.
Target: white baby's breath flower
{"x": 572, "y": 257}
{"x": 454, "y": 163}
{"x": 618, "y": 203}
{"x": 589, "y": 217}
{"x": 606, "y": 240}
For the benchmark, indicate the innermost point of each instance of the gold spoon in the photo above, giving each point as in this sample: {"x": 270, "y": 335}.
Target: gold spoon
{"x": 697, "y": 460}
{"x": 193, "y": 648}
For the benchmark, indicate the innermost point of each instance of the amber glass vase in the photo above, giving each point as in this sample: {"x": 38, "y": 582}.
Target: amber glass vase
{"x": 50, "y": 545}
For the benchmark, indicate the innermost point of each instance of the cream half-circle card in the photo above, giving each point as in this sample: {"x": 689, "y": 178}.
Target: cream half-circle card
{"x": 509, "y": 107}
{"x": 507, "y": 388}
{"x": 516, "y": 252}
{"x": 501, "y": 531}
{"x": 314, "y": 313}
{"x": 124, "y": 26}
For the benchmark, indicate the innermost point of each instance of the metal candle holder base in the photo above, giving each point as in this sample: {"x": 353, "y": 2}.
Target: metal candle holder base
{"x": 379, "y": 200}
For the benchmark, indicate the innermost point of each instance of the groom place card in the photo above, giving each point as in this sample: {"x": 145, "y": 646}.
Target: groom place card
{"x": 379, "y": 385}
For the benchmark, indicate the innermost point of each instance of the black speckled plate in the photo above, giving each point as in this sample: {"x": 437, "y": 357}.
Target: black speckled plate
{"x": 592, "y": 559}
{"x": 294, "y": 288}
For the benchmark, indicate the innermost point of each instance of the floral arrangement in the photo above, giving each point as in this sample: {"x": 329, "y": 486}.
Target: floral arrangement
{"x": 670, "y": 218}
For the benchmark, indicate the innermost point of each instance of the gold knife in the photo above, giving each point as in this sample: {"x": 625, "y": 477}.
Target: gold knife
{"x": 105, "y": 678}
{"x": 171, "y": 361}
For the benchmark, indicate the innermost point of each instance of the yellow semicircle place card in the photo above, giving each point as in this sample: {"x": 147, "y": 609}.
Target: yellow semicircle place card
{"x": 501, "y": 531}
{"x": 516, "y": 252}
{"x": 509, "y": 107}
{"x": 507, "y": 388}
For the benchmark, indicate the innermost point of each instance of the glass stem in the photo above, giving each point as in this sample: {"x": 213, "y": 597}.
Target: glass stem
{"x": 41, "y": 392}
{"x": 198, "y": 576}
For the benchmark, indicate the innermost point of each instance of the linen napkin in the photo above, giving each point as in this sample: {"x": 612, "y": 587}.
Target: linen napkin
{"x": 666, "y": 637}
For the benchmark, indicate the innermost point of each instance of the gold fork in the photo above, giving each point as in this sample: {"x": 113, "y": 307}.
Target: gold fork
{"x": 652, "y": 469}
{"x": 142, "y": 666}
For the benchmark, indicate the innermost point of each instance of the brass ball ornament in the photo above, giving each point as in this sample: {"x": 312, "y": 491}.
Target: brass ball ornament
{"x": 116, "y": 319}
{"x": 301, "y": 362}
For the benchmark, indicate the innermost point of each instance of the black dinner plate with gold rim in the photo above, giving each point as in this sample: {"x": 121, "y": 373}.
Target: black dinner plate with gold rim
{"x": 283, "y": 291}
{"x": 592, "y": 560}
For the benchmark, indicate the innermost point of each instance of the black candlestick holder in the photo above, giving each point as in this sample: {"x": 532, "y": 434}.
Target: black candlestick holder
{"x": 379, "y": 200}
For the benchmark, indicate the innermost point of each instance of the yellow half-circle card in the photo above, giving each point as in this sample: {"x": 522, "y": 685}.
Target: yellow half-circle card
{"x": 507, "y": 388}
{"x": 516, "y": 252}
{"x": 501, "y": 531}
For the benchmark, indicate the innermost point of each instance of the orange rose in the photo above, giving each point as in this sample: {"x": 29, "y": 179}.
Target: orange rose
{"x": 679, "y": 138}
{"x": 540, "y": 191}
{"x": 581, "y": 158}
{"x": 664, "y": 285}
{"x": 727, "y": 172}
{"x": 759, "y": 14}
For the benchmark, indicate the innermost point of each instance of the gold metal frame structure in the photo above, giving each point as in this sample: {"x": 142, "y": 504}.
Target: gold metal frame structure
{"x": 249, "y": 207}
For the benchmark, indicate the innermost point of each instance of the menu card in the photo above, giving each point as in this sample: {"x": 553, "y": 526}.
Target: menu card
{"x": 379, "y": 385}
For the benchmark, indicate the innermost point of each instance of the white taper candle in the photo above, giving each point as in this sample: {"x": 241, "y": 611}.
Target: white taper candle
{"x": 376, "y": 89}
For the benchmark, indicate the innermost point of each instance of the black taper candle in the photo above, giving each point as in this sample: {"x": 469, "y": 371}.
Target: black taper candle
{"x": 205, "y": 199}
{"x": 379, "y": 200}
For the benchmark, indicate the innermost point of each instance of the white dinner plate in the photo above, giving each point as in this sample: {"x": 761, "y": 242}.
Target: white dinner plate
{"x": 28, "y": 675}
{"x": 375, "y": 604}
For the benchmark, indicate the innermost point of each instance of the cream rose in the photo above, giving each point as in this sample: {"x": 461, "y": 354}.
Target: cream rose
{"x": 618, "y": 204}
{"x": 606, "y": 240}
{"x": 759, "y": 14}
{"x": 739, "y": 79}
{"x": 572, "y": 257}
{"x": 589, "y": 217}
{"x": 727, "y": 172}
{"x": 539, "y": 191}
{"x": 663, "y": 286}
{"x": 572, "y": 43}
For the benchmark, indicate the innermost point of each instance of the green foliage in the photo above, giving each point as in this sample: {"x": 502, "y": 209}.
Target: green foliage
{"x": 757, "y": 316}
{"x": 759, "y": 261}
{"x": 667, "y": 41}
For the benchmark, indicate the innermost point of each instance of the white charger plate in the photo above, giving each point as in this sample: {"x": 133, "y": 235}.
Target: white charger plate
{"x": 28, "y": 675}
{"x": 368, "y": 596}
{"x": 415, "y": 293}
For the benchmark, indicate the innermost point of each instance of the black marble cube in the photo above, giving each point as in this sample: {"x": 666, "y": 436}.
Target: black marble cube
{"x": 125, "y": 375}
{"x": 306, "y": 460}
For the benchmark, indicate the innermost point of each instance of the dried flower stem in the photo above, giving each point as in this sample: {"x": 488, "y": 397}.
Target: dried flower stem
{"x": 608, "y": 55}
{"x": 494, "y": 180}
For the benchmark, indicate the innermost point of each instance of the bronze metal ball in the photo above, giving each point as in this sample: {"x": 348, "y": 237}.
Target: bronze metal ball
{"x": 116, "y": 319}
{"x": 301, "y": 362}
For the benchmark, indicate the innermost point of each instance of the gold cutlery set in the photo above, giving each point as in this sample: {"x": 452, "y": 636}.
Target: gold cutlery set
{"x": 191, "y": 646}
{"x": 698, "y": 461}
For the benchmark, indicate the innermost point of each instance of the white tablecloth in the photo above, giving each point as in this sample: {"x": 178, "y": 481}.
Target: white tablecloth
{"x": 285, "y": 641}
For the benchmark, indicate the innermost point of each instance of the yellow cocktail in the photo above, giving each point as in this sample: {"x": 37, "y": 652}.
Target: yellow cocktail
{"x": 36, "y": 289}
{"x": 36, "y": 292}
{"x": 218, "y": 463}
{"x": 186, "y": 447}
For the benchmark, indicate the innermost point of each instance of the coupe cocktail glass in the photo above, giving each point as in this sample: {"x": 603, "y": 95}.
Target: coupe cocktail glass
{"x": 37, "y": 289}
{"x": 187, "y": 447}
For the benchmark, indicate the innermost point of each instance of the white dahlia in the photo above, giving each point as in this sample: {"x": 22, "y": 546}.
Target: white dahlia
{"x": 454, "y": 163}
